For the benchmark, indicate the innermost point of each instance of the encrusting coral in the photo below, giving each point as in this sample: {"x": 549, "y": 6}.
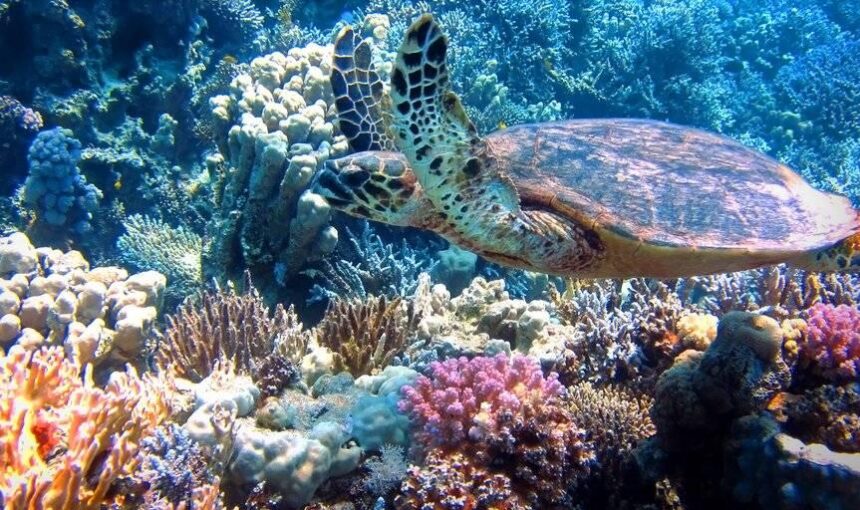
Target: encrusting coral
{"x": 63, "y": 441}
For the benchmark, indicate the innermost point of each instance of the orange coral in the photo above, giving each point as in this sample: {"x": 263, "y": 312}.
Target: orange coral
{"x": 64, "y": 441}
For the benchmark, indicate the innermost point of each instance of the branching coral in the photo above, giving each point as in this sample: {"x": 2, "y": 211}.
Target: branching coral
{"x": 832, "y": 343}
{"x": 65, "y": 442}
{"x": 615, "y": 421}
{"x": 226, "y": 326}
{"x": 175, "y": 252}
{"x": 506, "y": 414}
{"x": 366, "y": 335}
{"x": 370, "y": 266}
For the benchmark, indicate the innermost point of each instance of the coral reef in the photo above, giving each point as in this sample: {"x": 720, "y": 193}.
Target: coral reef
{"x": 229, "y": 326}
{"x": 101, "y": 315}
{"x": 55, "y": 188}
{"x": 66, "y": 441}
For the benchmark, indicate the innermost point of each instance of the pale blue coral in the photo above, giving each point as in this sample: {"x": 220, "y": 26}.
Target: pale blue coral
{"x": 55, "y": 188}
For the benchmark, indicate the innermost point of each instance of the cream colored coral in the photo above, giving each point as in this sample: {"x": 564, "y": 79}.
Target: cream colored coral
{"x": 64, "y": 441}
{"x": 697, "y": 330}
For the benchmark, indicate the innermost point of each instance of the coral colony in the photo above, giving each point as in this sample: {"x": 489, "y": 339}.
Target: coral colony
{"x": 186, "y": 324}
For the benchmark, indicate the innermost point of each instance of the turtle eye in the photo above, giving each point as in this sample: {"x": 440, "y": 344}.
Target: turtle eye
{"x": 355, "y": 178}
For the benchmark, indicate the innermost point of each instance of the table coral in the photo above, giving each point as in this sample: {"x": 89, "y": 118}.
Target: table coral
{"x": 63, "y": 441}
{"x": 832, "y": 344}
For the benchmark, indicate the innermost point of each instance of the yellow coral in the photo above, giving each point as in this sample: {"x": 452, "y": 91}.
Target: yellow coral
{"x": 63, "y": 440}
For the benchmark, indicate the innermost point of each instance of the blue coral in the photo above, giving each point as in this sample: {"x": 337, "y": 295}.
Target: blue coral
{"x": 55, "y": 187}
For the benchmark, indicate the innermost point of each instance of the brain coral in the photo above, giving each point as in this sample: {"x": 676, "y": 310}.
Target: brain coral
{"x": 832, "y": 345}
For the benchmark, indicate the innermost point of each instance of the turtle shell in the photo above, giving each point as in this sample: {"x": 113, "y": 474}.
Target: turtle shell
{"x": 668, "y": 185}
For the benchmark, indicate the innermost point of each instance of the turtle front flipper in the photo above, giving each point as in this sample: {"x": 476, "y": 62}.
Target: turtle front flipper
{"x": 359, "y": 94}
{"x": 843, "y": 256}
{"x": 434, "y": 132}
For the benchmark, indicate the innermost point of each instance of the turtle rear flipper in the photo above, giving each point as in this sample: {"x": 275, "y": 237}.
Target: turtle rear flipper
{"x": 359, "y": 94}
{"x": 435, "y": 133}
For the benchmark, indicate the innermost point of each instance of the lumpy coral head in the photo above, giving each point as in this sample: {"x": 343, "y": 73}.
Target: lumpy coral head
{"x": 832, "y": 345}
{"x": 466, "y": 398}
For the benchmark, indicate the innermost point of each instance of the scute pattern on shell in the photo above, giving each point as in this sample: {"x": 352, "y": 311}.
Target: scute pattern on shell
{"x": 668, "y": 185}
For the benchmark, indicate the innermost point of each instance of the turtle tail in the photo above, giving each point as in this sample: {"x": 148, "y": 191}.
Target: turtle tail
{"x": 842, "y": 256}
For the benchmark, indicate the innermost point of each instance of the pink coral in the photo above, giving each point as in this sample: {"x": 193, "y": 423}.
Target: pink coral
{"x": 472, "y": 397}
{"x": 832, "y": 346}
{"x": 504, "y": 415}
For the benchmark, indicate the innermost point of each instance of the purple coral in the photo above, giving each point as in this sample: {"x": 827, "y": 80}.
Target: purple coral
{"x": 832, "y": 346}
{"x": 473, "y": 397}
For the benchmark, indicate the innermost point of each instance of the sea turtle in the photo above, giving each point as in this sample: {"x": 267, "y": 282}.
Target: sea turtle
{"x": 587, "y": 198}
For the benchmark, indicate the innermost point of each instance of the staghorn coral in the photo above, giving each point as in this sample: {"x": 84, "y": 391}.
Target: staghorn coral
{"x": 175, "y": 252}
{"x": 226, "y": 326}
{"x": 366, "y": 335}
{"x": 453, "y": 481}
{"x": 831, "y": 346}
{"x": 506, "y": 414}
{"x": 385, "y": 472}
{"x": 65, "y": 441}
{"x": 233, "y": 18}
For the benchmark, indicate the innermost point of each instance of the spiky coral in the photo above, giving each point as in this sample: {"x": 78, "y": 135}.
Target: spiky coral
{"x": 505, "y": 413}
{"x": 228, "y": 326}
{"x": 366, "y": 335}
{"x": 832, "y": 346}
{"x": 615, "y": 421}
{"x": 63, "y": 441}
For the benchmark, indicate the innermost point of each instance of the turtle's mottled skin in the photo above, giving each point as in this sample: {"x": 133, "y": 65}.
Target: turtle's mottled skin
{"x": 587, "y": 198}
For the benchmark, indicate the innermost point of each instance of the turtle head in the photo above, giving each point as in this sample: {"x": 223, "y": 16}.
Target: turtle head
{"x": 375, "y": 185}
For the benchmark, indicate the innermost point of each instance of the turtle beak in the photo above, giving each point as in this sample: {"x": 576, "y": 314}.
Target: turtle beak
{"x": 327, "y": 184}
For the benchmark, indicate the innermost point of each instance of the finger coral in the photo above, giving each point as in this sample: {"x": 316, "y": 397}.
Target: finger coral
{"x": 63, "y": 441}
{"x": 832, "y": 345}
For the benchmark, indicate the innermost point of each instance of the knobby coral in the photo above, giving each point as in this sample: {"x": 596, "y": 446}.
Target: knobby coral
{"x": 63, "y": 441}
{"x": 504, "y": 413}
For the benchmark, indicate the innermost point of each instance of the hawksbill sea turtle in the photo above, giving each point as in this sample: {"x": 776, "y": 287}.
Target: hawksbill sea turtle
{"x": 592, "y": 198}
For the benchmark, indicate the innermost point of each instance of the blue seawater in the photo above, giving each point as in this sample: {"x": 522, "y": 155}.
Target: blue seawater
{"x": 391, "y": 254}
